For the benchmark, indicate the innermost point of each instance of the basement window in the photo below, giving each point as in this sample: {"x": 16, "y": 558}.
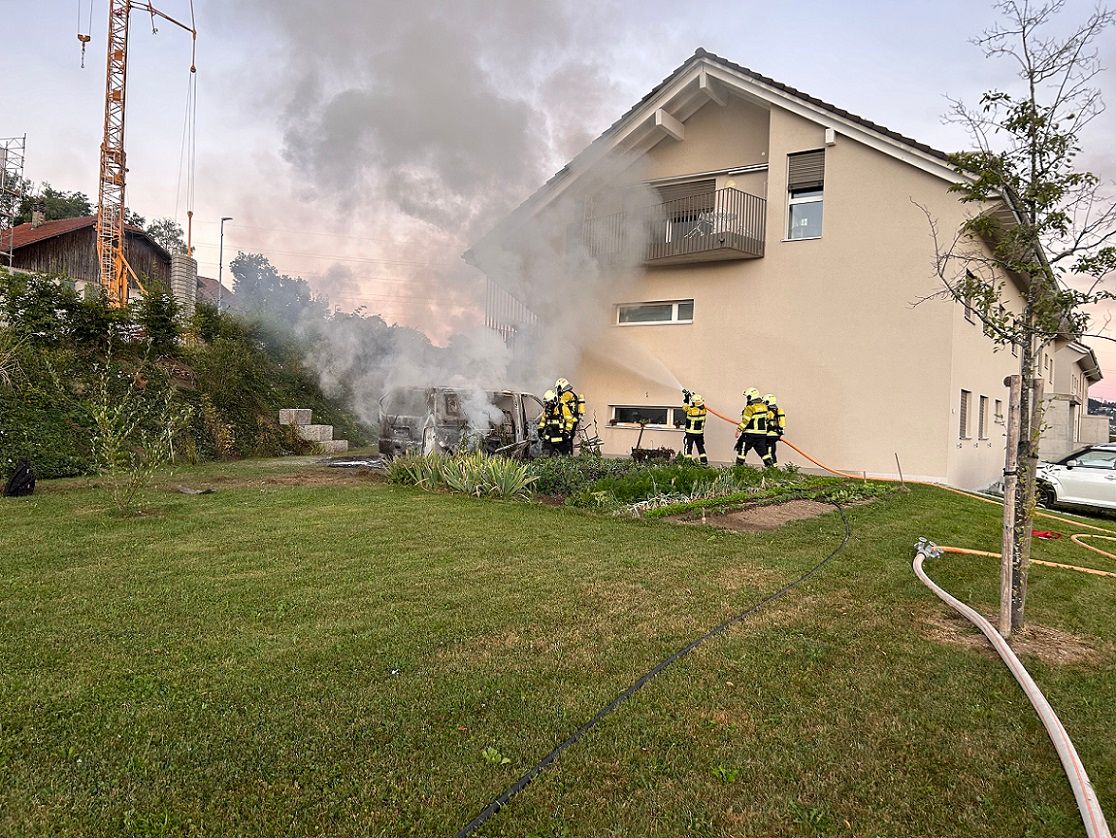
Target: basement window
{"x": 652, "y": 417}
{"x": 639, "y": 314}
{"x": 805, "y": 187}
{"x": 966, "y": 397}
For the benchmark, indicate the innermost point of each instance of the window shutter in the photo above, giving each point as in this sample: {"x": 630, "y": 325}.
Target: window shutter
{"x": 699, "y": 192}
{"x": 806, "y": 170}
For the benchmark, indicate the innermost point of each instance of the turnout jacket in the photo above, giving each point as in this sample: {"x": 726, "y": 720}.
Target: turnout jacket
{"x": 695, "y": 418}
{"x": 753, "y": 419}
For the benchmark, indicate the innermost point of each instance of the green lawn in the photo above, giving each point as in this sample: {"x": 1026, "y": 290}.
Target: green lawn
{"x": 278, "y": 659}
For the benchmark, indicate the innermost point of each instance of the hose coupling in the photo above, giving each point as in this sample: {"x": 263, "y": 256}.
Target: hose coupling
{"x": 928, "y": 549}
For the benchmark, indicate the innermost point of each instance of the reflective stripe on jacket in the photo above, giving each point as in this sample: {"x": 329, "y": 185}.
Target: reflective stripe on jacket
{"x": 753, "y": 419}
{"x": 695, "y": 418}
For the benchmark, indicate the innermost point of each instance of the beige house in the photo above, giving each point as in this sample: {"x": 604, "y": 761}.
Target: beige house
{"x": 786, "y": 248}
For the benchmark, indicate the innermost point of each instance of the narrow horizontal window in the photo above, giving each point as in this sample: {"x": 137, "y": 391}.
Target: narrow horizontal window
{"x": 651, "y": 416}
{"x": 678, "y": 311}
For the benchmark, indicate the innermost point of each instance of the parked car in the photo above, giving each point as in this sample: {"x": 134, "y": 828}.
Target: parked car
{"x": 429, "y": 419}
{"x": 1086, "y": 478}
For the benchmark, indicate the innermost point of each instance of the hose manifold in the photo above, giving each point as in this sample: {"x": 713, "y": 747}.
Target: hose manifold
{"x": 928, "y": 549}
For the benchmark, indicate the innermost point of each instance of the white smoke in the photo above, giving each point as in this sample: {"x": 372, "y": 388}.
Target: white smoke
{"x": 431, "y": 123}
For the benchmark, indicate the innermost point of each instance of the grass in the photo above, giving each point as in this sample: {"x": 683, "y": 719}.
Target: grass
{"x": 351, "y": 657}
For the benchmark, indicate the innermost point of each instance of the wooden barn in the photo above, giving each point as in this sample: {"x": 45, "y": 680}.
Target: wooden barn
{"x": 69, "y": 246}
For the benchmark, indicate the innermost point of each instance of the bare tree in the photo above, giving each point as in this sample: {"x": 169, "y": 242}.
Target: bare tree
{"x": 1042, "y": 224}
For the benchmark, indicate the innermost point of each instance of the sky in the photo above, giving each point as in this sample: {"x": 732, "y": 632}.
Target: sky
{"x": 363, "y": 144}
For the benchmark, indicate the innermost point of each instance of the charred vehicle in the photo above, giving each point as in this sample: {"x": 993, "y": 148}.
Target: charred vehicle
{"x": 443, "y": 419}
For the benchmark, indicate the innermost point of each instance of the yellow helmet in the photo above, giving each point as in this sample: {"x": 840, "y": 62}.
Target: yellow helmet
{"x": 770, "y": 400}
{"x": 752, "y": 394}
{"x": 562, "y": 385}
{"x": 550, "y": 396}
{"x": 697, "y": 400}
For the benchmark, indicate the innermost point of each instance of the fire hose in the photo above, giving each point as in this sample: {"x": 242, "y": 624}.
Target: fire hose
{"x": 1089, "y": 806}
{"x": 515, "y": 788}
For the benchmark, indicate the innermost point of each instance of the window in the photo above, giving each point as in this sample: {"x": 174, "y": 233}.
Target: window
{"x": 686, "y": 206}
{"x": 653, "y": 417}
{"x": 1093, "y": 458}
{"x": 999, "y": 412}
{"x": 982, "y": 418}
{"x": 632, "y": 314}
{"x": 1015, "y": 349}
{"x": 968, "y": 309}
{"x": 805, "y": 186}
{"x": 964, "y": 430}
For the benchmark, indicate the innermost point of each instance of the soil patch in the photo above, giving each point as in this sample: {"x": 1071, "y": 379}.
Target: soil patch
{"x": 1049, "y": 645}
{"x": 758, "y": 518}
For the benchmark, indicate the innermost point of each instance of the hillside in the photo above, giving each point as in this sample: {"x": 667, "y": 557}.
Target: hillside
{"x": 67, "y": 360}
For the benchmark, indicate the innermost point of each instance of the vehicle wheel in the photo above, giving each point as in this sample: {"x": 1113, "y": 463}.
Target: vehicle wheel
{"x": 1045, "y": 496}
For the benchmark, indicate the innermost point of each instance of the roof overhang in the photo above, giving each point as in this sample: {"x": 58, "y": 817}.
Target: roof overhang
{"x": 705, "y": 79}
{"x": 1087, "y": 361}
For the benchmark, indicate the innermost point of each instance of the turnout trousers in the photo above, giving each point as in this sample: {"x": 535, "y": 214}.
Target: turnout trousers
{"x": 692, "y": 441}
{"x": 752, "y": 442}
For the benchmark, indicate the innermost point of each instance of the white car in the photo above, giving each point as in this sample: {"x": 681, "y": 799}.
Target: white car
{"x": 1086, "y": 478}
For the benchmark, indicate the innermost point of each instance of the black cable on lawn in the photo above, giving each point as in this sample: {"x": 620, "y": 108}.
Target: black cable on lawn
{"x": 515, "y": 788}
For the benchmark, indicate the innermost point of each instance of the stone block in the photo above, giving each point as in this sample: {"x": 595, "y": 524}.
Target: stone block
{"x": 315, "y": 433}
{"x": 334, "y": 446}
{"x": 295, "y": 416}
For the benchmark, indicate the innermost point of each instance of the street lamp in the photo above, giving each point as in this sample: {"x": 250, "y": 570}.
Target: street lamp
{"x": 221, "y": 259}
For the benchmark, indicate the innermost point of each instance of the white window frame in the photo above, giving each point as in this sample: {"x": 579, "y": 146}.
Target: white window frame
{"x": 999, "y": 412}
{"x": 671, "y": 416}
{"x": 793, "y": 201}
{"x": 982, "y": 418}
{"x": 674, "y": 320}
{"x": 965, "y": 409}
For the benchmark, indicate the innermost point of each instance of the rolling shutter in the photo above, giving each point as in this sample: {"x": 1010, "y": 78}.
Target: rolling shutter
{"x": 806, "y": 170}
{"x": 699, "y": 192}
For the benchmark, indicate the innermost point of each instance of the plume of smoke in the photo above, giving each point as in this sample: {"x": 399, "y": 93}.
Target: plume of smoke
{"x": 432, "y": 132}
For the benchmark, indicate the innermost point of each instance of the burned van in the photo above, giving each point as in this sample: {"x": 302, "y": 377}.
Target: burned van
{"x": 448, "y": 420}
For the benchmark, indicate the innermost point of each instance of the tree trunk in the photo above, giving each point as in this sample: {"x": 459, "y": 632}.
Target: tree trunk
{"x": 1011, "y": 491}
{"x": 1029, "y": 467}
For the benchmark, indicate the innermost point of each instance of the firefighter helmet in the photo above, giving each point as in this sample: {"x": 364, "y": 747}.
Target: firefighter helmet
{"x": 562, "y": 385}
{"x": 770, "y": 400}
{"x": 697, "y": 400}
{"x": 549, "y": 397}
{"x": 752, "y": 394}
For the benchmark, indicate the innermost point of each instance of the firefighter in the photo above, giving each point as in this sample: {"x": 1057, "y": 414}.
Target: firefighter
{"x": 776, "y": 425}
{"x": 555, "y": 426}
{"x": 574, "y": 402}
{"x": 751, "y": 433}
{"x": 693, "y": 406}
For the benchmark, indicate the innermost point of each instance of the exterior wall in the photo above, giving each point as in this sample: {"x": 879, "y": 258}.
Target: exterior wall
{"x": 827, "y": 324}
{"x": 1067, "y": 424}
{"x": 74, "y": 254}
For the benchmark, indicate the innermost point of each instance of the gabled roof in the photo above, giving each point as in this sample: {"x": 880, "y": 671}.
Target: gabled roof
{"x": 707, "y": 66}
{"x": 26, "y": 234}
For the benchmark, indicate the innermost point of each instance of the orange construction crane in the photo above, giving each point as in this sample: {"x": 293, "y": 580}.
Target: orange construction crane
{"x": 115, "y": 269}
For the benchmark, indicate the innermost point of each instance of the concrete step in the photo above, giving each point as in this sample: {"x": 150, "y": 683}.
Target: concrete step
{"x": 315, "y": 433}
{"x": 295, "y": 416}
{"x": 334, "y": 446}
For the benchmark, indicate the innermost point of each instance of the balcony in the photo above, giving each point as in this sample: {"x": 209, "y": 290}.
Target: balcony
{"x": 714, "y": 226}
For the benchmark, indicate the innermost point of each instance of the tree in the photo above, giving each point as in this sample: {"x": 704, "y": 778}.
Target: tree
{"x": 54, "y": 204}
{"x": 1042, "y": 223}
{"x": 133, "y": 218}
{"x": 168, "y": 233}
{"x": 261, "y": 289}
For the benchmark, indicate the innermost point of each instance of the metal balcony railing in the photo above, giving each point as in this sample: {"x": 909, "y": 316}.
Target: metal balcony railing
{"x": 716, "y": 225}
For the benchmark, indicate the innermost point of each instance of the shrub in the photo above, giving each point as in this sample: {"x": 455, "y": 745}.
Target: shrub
{"x": 567, "y": 475}
{"x": 471, "y": 474}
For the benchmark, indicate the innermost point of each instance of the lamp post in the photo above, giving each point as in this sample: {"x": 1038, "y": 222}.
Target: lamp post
{"x": 221, "y": 259}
